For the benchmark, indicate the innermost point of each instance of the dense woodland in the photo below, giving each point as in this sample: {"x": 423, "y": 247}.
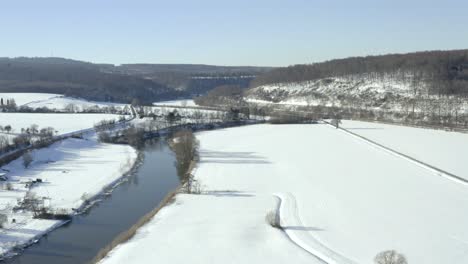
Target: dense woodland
{"x": 110, "y": 83}
{"x": 447, "y": 71}
{"x": 191, "y": 79}
{"x": 436, "y": 94}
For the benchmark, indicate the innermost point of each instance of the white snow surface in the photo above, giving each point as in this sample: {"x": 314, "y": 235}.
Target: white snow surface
{"x": 25, "y": 233}
{"x": 184, "y": 102}
{"x": 352, "y": 200}
{"x": 62, "y": 102}
{"x": 26, "y": 98}
{"x": 443, "y": 149}
{"x": 54, "y": 101}
{"x": 63, "y": 123}
{"x": 220, "y": 227}
{"x": 326, "y": 91}
{"x": 72, "y": 171}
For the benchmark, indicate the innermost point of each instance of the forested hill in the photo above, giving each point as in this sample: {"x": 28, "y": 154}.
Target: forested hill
{"x": 191, "y": 79}
{"x": 429, "y": 87}
{"x": 74, "y": 78}
{"x": 106, "y": 82}
{"x": 448, "y": 68}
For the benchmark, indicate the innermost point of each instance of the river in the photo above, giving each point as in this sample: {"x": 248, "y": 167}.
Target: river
{"x": 81, "y": 239}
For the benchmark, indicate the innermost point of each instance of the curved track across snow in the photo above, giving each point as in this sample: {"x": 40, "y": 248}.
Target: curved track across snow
{"x": 291, "y": 223}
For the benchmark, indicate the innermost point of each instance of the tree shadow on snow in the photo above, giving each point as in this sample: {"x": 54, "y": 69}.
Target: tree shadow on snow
{"x": 228, "y": 194}
{"x": 302, "y": 228}
{"x": 231, "y": 157}
{"x": 363, "y": 128}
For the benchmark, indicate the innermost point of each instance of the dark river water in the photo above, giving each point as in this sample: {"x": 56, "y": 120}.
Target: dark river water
{"x": 80, "y": 240}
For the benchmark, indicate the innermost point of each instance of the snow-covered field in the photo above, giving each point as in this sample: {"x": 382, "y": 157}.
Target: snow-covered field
{"x": 442, "y": 149}
{"x": 185, "y": 102}
{"x": 62, "y": 103}
{"x": 72, "y": 171}
{"x": 341, "y": 199}
{"x": 55, "y": 101}
{"x": 26, "y": 98}
{"x": 63, "y": 123}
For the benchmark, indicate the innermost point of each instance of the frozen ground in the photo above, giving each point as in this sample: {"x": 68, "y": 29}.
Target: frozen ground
{"x": 439, "y": 148}
{"x": 63, "y": 123}
{"x": 185, "y": 102}
{"x": 61, "y": 103}
{"x": 55, "y": 101}
{"x": 342, "y": 199}
{"x": 25, "y": 98}
{"x": 72, "y": 171}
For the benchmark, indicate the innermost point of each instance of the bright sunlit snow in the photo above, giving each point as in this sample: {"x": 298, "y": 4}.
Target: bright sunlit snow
{"x": 353, "y": 201}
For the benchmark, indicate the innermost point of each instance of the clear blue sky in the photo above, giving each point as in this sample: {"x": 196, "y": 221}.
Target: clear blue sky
{"x": 241, "y": 32}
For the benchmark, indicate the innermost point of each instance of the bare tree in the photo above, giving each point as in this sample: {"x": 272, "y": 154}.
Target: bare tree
{"x": 27, "y": 159}
{"x": 71, "y": 108}
{"x": 3, "y": 219}
{"x": 390, "y": 257}
{"x": 273, "y": 219}
{"x": 3, "y": 142}
{"x": 34, "y": 129}
{"x": 7, "y": 128}
{"x": 185, "y": 146}
{"x": 336, "y": 122}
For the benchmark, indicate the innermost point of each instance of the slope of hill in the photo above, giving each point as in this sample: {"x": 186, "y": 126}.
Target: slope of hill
{"x": 433, "y": 85}
{"x": 191, "y": 79}
{"x": 75, "y": 78}
{"x": 105, "y": 82}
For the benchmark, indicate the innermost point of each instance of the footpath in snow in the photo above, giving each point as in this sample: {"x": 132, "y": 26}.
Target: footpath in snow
{"x": 442, "y": 149}
{"x": 351, "y": 201}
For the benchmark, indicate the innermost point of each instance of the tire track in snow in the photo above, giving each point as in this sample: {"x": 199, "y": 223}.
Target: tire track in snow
{"x": 291, "y": 224}
{"x": 437, "y": 171}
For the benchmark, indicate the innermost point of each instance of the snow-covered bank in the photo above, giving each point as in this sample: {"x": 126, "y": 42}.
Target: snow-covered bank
{"x": 213, "y": 228}
{"x": 353, "y": 201}
{"x": 72, "y": 171}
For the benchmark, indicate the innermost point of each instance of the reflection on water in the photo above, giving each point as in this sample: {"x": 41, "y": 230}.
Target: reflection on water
{"x": 80, "y": 240}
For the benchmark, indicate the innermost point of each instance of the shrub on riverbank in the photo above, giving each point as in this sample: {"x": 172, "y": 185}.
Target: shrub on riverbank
{"x": 185, "y": 146}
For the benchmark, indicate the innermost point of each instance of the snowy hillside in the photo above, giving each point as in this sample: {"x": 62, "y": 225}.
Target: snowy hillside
{"x": 55, "y": 101}
{"x": 342, "y": 200}
{"x": 355, "y": 91}
{"x": 333, "y": 90}
{"x": 26, "y": 98}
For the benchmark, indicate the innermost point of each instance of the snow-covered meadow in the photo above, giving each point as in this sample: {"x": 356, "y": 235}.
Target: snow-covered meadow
{"x": 342, "y": 200}
{"x": 72, "y": 171}
{"x": 63, "y": 123}
{"x": 182, "y": 102}
{"x": 55, "y": 101}
{"x": 442, "y": 149}
{"x": 27, "y": 98}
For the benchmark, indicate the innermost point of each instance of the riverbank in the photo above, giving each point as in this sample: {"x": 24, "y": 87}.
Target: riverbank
{"x": 64, "y": 178}
{"x": 336, "y": 189}
{"x": 114, "y": 212}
